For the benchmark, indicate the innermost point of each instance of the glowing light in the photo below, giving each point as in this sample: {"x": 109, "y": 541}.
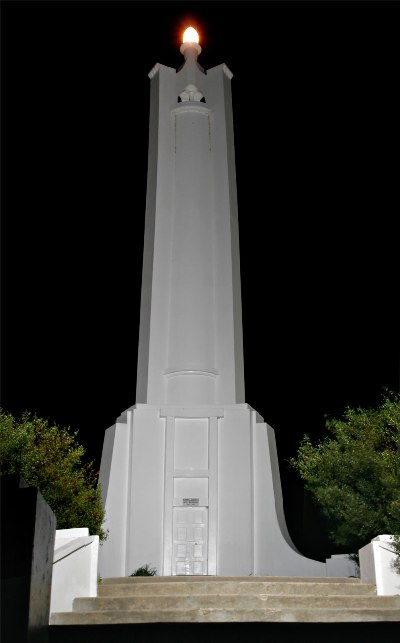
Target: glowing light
{"x": 190, "y": 35}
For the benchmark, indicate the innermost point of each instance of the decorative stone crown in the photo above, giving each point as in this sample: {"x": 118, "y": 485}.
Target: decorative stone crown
{"x": 190, "y": 93}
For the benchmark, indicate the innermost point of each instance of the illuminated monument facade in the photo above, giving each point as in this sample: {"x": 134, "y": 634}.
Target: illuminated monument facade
{"x": 189, "y": 475}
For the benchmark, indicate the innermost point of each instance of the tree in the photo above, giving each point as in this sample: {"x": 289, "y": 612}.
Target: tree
{"x": 50, "y": 458}
{"x": 354, "y": 473}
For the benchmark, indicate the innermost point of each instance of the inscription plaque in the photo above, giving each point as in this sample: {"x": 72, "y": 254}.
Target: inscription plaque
{"x": 191, "y": 502}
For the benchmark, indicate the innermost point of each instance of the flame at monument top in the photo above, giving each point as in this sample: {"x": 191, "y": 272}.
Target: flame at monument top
{"x": 190, "y": 35}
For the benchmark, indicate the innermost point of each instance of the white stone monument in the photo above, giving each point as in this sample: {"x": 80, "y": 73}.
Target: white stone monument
{"x": 189, "y": 475}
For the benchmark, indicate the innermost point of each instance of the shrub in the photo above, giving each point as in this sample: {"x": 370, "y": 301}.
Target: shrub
{"x": 354, "y": 473}
{"x": 50, "y": 458}
{"x": 146, "y": 570}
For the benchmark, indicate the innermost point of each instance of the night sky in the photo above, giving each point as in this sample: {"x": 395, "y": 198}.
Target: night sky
{"x": 316, "y": 118}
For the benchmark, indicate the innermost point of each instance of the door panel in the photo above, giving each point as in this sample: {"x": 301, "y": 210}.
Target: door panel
{"x": 190, "y": 532}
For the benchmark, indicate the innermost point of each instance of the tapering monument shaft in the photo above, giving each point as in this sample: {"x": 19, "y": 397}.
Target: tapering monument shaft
{"x": 189, "y": 475}
{"x": 190, "y": 347}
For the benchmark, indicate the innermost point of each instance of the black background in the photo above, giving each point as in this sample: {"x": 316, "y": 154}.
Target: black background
{"x": 316, "y": 105}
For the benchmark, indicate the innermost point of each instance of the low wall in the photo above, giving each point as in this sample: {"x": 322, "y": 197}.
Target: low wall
{"x": 27, "y": 528}
{"x": 75, "y": 565}
{"x": 376, "y": 566}
{"x": 341, "y": 565}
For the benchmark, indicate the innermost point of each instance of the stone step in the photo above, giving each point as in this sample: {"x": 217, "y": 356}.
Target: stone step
{"x": 233, "y": 601}
{"x": 234, "y": 587}
{"x": 183, "y": 599}
{"x": 211, "y": 615}
{"x": 217, "y": 579}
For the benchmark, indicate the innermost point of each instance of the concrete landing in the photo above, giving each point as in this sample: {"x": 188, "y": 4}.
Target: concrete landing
{"x": 183, "y": 599}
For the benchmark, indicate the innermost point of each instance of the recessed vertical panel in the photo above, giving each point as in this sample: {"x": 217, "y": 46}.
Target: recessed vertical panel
{"x": 191, "y": 324}
{"x": 198, "y": 533}
{"x": 191, "y": 443}
{"x": 198, "y": 550}
{"x": 182, "y": 533}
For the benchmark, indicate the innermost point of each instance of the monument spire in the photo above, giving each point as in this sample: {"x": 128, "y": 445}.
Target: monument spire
{"x": 190, "y": 346}
{"x": 189, "y": 475}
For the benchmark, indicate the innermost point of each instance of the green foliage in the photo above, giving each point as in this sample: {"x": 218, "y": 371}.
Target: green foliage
{"x": 146, "y": 570}
{"x": 354, "y": 473}
{"x": 50, "y": 458}
{"x": 396, "y": 549}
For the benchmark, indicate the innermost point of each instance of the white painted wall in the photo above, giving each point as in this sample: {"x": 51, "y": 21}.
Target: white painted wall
{"x": 114, "y": 479}
{"x": 190, "y": 345}
{"x": 235, "y": 511}
{"x": 225, "y": 456}
{"x": 376, "y": 566}
{"x": 341, "y": 565}
{"x": 75, "y": 566}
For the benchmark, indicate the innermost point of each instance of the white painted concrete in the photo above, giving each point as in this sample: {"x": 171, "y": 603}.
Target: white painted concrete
{"x": 190, "y": 344}
{"x": 191, "y": 438}
{"x": 376, "y": 566}
{"x": 230, "y": 467}
{"x": 75, "y": 566}
{"x": 341, "y": 565}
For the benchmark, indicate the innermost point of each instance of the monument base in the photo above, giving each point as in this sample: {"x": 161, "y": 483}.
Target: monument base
{"x": 195, "y": 491}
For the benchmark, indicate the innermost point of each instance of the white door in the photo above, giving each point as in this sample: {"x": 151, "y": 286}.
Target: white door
{"x": 189, "y": 556}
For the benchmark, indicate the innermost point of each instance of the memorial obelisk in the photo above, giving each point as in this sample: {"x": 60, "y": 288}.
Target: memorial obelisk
{"x": 189, "y": 475}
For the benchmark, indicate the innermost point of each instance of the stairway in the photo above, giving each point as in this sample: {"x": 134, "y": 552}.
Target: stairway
{"x": 199, "y": 599}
